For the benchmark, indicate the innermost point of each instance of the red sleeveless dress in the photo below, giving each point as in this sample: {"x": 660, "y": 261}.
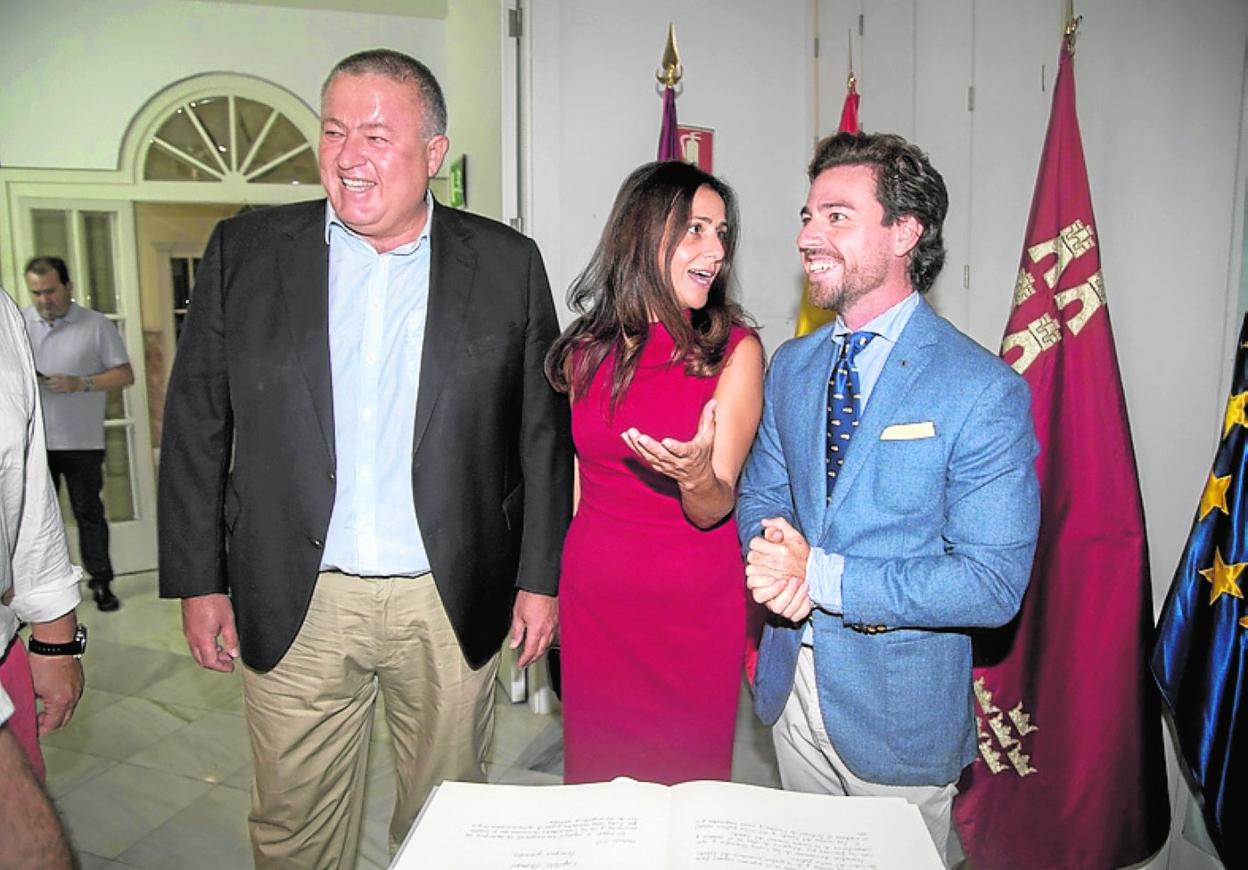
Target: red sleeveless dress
{"x": 652, "y": 608}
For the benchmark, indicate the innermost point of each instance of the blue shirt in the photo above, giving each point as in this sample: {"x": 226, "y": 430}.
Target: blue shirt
{"x": 824, "y": 570}
{"x": 377, "y": 309}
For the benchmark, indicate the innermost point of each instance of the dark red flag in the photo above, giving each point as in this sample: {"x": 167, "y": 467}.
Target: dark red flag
{"x": 669, "y": 142}
{"x": 1071, "y": 772}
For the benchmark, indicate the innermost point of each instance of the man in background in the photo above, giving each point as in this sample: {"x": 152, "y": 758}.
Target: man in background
{"x": 79, "y": 357}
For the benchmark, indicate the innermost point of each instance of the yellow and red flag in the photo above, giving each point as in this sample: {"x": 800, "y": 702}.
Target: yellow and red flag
{"x": 810, "y": 318}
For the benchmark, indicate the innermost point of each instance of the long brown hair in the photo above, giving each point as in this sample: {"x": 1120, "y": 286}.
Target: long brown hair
{"x": 626, "y": 282}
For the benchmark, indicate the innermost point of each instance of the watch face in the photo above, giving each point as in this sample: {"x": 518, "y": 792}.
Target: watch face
{"x": 80, "y": 636}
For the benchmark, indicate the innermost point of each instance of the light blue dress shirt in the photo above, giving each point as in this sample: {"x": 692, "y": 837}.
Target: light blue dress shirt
{"x": 377, "y": 309}
{"x": 823, "y": 570}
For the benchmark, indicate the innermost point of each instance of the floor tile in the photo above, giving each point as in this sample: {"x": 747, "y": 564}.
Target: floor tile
{"x": 545, "y": 751}
{"x": 241, "y": 778}
{"x": 123, "y": 805}
{"x": 375, "y": 842}
{"x": 88, "y": 861}
{"x": 209, "y": 834}
{"x": 518, "y": 776}
{"x": 128, "y": 670}
{"x": 94, "y": 700}
{"x": 198, "y": 687}
{"x": 515, "y": 728}
{"x": 122, "y": 729}
{"x": 211, "y": 748}
{"x": 69, "y": 770}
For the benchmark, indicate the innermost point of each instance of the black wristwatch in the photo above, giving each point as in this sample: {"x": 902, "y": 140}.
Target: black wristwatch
{"x": 75, "y": 647}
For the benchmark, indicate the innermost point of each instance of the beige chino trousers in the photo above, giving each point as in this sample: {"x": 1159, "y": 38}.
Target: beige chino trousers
{"x": 311, "y": 717}
{"x": 809, "y": 763}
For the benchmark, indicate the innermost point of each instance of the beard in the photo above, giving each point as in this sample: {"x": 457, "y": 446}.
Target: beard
{"x": 855, "y": 282}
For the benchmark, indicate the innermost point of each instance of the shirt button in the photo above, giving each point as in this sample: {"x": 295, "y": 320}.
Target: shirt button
{"x": 370, "y": 358}
{"x": 332, "y": 476}
{"x": 366, "y": 414}
{"x": 316, "y": 542}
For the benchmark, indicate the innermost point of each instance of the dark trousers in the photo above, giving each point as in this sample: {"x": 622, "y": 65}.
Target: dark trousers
{"x": 83, "y": 471}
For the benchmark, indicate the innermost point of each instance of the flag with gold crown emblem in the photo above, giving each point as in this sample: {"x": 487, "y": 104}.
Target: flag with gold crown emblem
{"x": 1071, "y": 768}
{"x": 1200, "y": 660}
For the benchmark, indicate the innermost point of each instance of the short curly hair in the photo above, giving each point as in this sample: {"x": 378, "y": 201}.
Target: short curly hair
{"x": 906, "y": 183}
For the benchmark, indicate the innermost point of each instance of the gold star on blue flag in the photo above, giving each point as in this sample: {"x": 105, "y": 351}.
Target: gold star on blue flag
{"x": 1200, "y": 660}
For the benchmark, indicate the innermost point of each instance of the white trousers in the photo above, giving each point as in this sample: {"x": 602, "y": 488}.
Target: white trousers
{"x": 809, "y": 763}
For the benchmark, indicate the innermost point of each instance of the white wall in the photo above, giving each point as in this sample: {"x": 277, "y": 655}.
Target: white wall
{"x": 595, "y": 117}
{"x": 75, "y": 73}
{"x": 473, "y": 85}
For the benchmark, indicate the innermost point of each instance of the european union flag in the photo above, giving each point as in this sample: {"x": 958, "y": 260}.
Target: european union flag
{"x": 1201, "y": 657}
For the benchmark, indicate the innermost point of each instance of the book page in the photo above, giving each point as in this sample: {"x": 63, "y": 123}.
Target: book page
{"x": 620, "y": 825}
{"x": 730, "y": 826}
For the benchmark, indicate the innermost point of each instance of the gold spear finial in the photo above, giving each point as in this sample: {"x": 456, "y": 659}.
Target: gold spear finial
{"x": 670, "y": 71}
{"x": 1071, "y": 27}
{"x": 851, "y": 84}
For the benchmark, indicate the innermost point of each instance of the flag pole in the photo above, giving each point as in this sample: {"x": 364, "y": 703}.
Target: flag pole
{"x": 1071, "y": 27}
{"x": 670, "y": 70}
{"x": 851, "y": 83}
{"x": 669, "y": 75}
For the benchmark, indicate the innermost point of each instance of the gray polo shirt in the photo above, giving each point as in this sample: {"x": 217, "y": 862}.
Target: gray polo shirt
{"x": 83, "y": 342}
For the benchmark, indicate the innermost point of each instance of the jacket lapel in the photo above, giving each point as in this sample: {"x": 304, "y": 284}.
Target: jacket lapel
{"x": 452, "y": 267}
{"x": 909, "y": 357}
{"x": 303, "y": 267}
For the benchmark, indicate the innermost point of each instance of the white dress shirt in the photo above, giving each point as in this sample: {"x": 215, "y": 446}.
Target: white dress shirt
{"x": 37, "y": 581}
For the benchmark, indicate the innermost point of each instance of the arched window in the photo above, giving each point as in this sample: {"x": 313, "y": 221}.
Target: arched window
{"x": 216, "y": 137}
{"x": 224, "y": 137}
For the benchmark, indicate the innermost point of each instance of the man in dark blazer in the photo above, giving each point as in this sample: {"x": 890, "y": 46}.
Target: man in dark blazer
{"x": 889, "y": 503}
{"x": 365, "y": 478}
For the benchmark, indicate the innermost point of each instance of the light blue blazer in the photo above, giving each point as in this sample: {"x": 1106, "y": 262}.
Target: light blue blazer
{"x": 937, "y": 523}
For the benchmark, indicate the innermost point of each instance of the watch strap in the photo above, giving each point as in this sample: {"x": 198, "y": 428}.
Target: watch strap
{"x": 75, "y": 647}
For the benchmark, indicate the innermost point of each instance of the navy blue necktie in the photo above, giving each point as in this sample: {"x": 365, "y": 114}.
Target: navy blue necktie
{"x": 844, "y": 403}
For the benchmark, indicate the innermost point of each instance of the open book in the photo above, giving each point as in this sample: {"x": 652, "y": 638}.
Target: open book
{"x": 629, "y": 825}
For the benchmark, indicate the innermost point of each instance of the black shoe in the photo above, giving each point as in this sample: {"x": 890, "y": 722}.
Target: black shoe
{"x": 105, "y": 600}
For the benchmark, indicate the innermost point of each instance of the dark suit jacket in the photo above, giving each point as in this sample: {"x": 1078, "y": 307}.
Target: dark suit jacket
{"x": 247, "y": 476}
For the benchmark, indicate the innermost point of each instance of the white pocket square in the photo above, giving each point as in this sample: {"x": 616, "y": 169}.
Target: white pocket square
{"x": 909, "y": 431}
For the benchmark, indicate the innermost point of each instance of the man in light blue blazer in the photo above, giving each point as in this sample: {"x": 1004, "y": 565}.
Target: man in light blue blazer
{"x": 890, "y": 502}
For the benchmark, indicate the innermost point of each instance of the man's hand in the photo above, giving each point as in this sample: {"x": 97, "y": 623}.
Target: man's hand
{"x": 533, "y": 622}
{"x": 776, "y": 570}
{"x": 204, "y": 619}
{"x": 58, "y": 684}
{"x": 63, "y": 383}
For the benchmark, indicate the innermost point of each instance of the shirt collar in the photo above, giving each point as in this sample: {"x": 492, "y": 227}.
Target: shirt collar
{"x": 887, "y": 325}
{"x": 332, "y": 220}
{"x": 72, "y": 315}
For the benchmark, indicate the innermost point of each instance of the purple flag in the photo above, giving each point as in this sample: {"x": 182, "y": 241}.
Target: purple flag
{"x": 669, "y": 142}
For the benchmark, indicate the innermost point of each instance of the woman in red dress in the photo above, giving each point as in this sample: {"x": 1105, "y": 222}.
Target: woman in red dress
{"x": 666, "y": 385}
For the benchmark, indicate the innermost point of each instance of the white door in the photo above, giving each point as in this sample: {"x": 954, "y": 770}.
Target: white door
{"x": 96, "y": 240}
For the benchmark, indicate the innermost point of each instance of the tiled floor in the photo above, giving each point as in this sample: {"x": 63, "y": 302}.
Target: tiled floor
{"x": 154, "y": 769}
